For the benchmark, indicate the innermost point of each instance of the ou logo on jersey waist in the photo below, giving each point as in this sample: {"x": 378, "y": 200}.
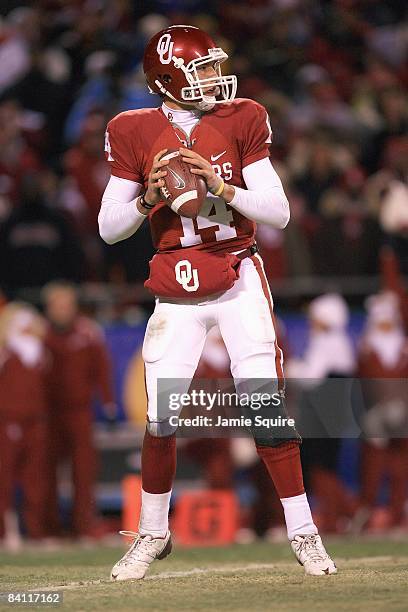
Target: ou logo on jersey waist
{"x": 186, "y": 275}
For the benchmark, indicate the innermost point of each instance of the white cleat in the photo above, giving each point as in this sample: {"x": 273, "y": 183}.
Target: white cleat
{"x": 143, "y": 551}
{"x": 311, "y": 553}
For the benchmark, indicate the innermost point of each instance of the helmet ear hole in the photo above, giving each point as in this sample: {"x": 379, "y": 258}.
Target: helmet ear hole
{"x": 166, "y": 78}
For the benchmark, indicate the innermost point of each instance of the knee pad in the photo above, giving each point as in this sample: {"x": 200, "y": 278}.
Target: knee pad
{"x": 281, "y": 431}
{"x": 265, "y": 407}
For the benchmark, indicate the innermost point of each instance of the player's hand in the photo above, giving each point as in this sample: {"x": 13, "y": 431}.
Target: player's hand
{"x": 202, "y": 167}
{"x": 155, "y": 180}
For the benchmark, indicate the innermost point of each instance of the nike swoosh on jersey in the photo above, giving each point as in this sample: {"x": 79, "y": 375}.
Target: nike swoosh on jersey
{"x": 180, "y": 182}
{"x": 215, "y": 157}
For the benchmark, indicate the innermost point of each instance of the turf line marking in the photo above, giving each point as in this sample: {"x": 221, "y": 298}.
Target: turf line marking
{"x": 221, "y": 569}
{"x": 226, "y": 569}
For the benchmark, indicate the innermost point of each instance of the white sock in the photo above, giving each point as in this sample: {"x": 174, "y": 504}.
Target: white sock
{"x": 298, "y": 516}
{"x": 154, "y": 515}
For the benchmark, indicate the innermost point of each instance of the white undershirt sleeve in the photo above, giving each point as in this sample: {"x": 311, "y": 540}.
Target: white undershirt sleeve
{"x": 264, "y": 200}
{"x": 118, "y": 217}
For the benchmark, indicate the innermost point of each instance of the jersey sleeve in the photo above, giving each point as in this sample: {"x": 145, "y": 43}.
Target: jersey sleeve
{"x": 257, "y": 135}
{"x": 120, "y": 150}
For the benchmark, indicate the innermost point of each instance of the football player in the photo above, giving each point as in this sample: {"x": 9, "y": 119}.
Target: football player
{"x": 226, "y": 141}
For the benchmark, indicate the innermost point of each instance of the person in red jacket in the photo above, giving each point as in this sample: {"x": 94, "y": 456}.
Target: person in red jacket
{"x": 23, "y": 410}
{"x": 383, "y": 366}
{"x": 80, "y": 370}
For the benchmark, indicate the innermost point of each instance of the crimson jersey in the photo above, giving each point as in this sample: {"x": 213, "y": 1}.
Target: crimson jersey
{"x": 231, "y": 137}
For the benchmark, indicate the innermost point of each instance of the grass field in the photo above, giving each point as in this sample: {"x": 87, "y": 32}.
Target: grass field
{"x": 373, "y": 575}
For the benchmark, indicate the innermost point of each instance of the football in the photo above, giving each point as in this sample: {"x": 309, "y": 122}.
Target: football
{"x": 184, "y": 192}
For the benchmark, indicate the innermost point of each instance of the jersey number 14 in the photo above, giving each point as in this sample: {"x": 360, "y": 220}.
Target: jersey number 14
{"x": 220, "y": 220}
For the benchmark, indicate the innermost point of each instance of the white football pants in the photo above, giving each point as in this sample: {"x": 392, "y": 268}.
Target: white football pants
{"x": 176, "y": 333}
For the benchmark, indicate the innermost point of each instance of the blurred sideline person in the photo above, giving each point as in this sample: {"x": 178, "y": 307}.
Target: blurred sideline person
{"x": 329, "y": 351}
{"x": 329, "y": 354}
{"x": 80, "y": 370}
{"x": 23, "y": 412}
{"x": 383, "y": 366}
{"x": 393, "y": 281}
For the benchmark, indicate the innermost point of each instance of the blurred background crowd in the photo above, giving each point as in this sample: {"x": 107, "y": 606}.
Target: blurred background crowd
{"x": 333, "y": 76}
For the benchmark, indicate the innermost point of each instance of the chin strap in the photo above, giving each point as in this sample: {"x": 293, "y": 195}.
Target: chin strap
{"x": 202, "y": 105}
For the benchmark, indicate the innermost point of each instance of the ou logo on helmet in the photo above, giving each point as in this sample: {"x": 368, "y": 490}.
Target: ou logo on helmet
{"x": 185, "y": 274}
{"x": 165, "y": 48}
